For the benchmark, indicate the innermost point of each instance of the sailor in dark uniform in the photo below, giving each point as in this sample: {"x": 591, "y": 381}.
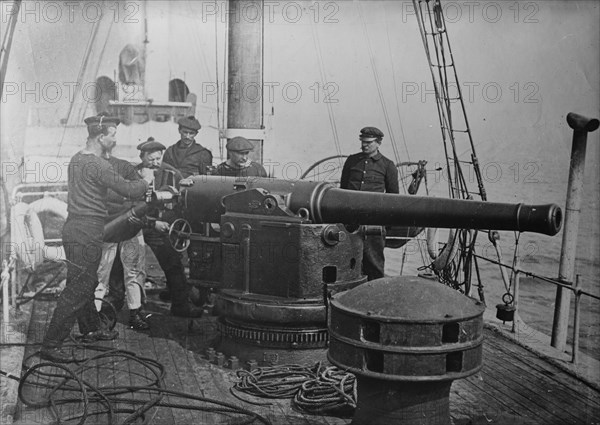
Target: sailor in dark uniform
{"x": 370, "y": 171}
{"x": 156, "y": 235}
{"x": 89, "y": 178}
{"x": 186, "y": 155}
{"x": 238, "y": 164}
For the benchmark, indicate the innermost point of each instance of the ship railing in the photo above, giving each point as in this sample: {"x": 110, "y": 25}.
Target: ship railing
{"x": 11, "y": 269}
{"x": 574, "y": 287}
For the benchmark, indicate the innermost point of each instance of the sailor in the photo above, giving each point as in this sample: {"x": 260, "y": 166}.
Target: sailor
{"x": 89, "y": 178}
{"x": 238, "y": 163}
{"x": 127, "y": 256}
{"x": 156, "y": 235}
{"x": 370, "y": 171}
{"x": 186, "y": 155}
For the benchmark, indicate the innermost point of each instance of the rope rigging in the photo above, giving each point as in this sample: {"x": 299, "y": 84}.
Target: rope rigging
{"x": 456, "y": 270}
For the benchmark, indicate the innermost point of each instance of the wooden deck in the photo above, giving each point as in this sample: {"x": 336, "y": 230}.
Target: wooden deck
{"x": 514, "y": 387}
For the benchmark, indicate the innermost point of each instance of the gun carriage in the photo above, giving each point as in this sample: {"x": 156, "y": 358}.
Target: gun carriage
{"x": 282, "y": 248}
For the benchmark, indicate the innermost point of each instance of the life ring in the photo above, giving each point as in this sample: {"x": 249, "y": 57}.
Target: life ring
{"x": 53, "y": 212}
{"x": 441, "y": 259}
{"x": 27, "y": 235}
{"x": 50, "y": 204}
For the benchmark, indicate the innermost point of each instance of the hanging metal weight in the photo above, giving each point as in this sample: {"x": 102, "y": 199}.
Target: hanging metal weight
{"x": 506, "y": 311}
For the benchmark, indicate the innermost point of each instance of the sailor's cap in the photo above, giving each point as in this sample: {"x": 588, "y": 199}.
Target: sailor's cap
{"x": 102, "y": 119}
{"x": 151, "y": 145}
{"x": 370, "y": 134}
{"x": 190, "y": 123}
{"x": 239, "y": 144}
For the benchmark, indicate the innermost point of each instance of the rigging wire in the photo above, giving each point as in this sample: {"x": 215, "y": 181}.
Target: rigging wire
{"x": 378, "y": 84}
{"x": 430, "y": 19}
{"x": 317, "y": 42}
{"x": 396, "y": 94}
{"x": 82, "y": 68}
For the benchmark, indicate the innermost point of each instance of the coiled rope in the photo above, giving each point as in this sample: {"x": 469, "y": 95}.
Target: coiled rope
{"x": 314, "y": 389}
{"x": 69, "y": 394}
{"x": 332, "y": 392}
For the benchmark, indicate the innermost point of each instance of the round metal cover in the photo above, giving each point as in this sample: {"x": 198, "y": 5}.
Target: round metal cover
{"x": 407, "y": 299}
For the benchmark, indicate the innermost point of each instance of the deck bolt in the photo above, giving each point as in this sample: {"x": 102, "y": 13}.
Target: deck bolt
{"x": 234, "y": 362}
{"x": 251, "y": 365}
{"x": 210, "y": 354}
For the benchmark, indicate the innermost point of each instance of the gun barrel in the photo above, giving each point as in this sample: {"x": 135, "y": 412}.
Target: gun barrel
{"x": 420, "y": 211}
{"x": 327, "y": 204}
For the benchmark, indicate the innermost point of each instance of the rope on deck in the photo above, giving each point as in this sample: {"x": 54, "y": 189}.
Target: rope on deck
{"x": 67, "y": 390}
{"x": 314, "y": 389}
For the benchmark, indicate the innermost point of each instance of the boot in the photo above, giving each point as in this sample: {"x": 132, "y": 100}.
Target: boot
{"x": 100, "y": 335}
{"x": 186, "y": 310}
{"x": 137, "y": 320}
{"x": 57, "y": 355}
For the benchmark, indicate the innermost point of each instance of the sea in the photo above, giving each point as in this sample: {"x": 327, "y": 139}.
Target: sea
{"x": 538, "y": 254}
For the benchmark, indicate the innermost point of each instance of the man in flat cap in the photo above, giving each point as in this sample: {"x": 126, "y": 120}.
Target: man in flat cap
{"x": 238, "y": 163}
{"x": 186, "y": 155}
{"x": 89, "y": 178}
{"x": 370, "y": 171}
{"x": 156, "y": 235}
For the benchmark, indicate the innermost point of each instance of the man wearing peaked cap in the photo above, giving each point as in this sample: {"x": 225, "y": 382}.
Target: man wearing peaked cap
{"x": 370, "y": 171}
{"x": 189, "y": 157}
{"x": 371, "y": 133}
{"x": 89, "y": 178}
{"x": 239, "y": 164}
{"x": 99, "y": 124}
{"x": 157, "y": 234}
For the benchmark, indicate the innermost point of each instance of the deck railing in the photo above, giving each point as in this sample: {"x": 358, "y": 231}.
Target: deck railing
{"x": 575, "y": 288}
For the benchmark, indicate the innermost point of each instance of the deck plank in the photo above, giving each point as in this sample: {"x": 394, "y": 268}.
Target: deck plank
{"x": 569, "y": 386}
{"x": 542, "y": 390}
{"x": 514, "y": 386}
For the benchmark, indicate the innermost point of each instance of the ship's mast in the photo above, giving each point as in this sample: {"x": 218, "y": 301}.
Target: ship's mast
{"x": 245, "y": 74}
{"x": 7, "y": 42}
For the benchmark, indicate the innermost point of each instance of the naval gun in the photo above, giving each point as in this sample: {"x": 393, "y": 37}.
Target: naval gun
{"x": 284, "y": 247}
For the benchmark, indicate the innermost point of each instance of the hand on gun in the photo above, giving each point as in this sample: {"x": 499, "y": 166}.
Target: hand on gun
{"x": 161, "y": 226}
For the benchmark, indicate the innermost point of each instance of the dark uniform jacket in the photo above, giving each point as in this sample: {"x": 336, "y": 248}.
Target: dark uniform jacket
{"x": 253, "y": 170}
{"x": 190, "y": 161}
{"x": 370, "y": 174}
{"x": 90, "y": 178}
{"x": 115, "y": 203}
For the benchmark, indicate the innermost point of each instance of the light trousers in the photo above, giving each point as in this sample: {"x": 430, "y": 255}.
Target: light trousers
{"x": 133, "y": 257}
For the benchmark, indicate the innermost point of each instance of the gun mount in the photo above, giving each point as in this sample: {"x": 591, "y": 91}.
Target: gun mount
{"x": 283, "y": 247}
